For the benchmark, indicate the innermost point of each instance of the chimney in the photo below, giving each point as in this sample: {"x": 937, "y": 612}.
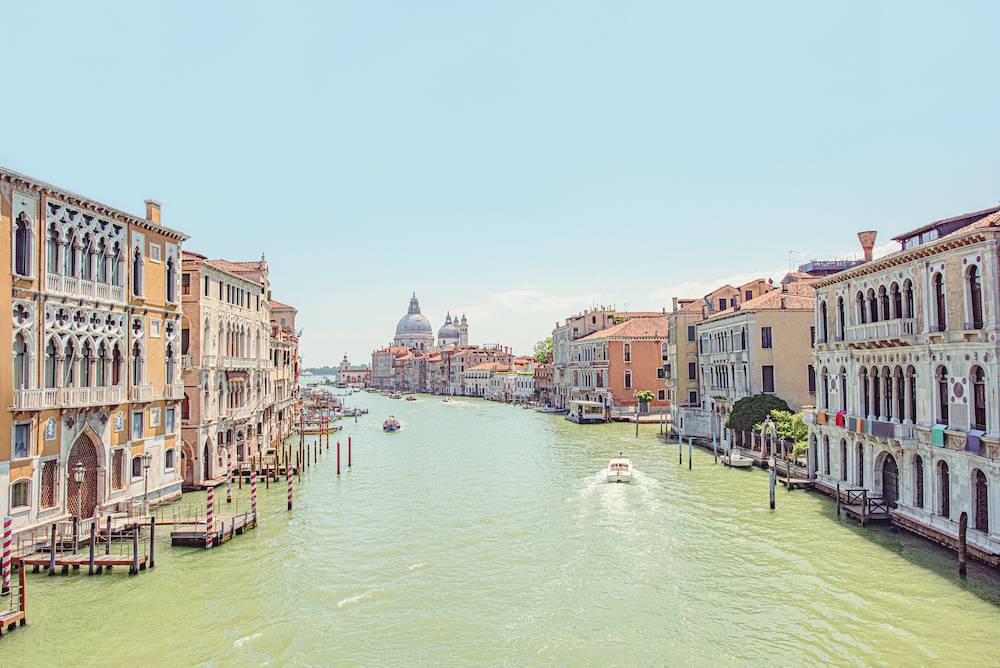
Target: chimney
{"x": 867, "y": 240}
{"x": 153, "y": 211}
{"x": 674, "y": 302}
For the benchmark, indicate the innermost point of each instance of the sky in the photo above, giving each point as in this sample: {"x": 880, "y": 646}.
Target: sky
{"x": 515, "y": 161}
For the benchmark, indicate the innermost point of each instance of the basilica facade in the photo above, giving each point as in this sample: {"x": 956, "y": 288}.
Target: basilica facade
{"x": 414, "y": 330}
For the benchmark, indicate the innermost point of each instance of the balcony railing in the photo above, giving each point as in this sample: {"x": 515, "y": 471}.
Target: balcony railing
{"x": 187, "y": 363}
{"x": 175, "y": 391}
{"x": 79, "y": 287}
{"x": 68, "y": 397}
{"x": 241, "y": 413}
{"x": 208, "y": 361}
{"x": 231, "y": 362}
{"x": 141, "y": 393}
{"x": 905, "y": 433}
{"x": 900, "y": 330}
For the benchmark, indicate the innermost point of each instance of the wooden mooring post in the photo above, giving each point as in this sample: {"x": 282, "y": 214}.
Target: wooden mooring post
{"x": 690, "y": 452}
{"x": 134, "y": 568}
{"x": 838, "y": 500}
{"x": 963, "y": 546}
{"x": 107, "y": 546}
{"x": 772, "y": 476}
{"x": 152, "y": 541}
{"x": 680, "y": 450}
{"x": 52, "y": 552}
{"x": 348, "y": 452}
{"x": 338, "y": 457}
{"x": 93, "y": 545}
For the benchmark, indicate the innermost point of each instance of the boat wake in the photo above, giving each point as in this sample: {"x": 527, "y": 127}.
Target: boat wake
{"x": 245, "y": 639}
{"x": 357, "y": 598}
{"x": 416, "y": 567}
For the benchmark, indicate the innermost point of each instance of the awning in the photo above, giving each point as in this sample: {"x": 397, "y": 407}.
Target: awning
{"x": 937, "y": 435}
{"x": 841, "y": 417}
{"x": 972, "y": 442}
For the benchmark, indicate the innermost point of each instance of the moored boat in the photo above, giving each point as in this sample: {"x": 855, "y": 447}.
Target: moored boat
{"x": 737, "y": 460}
{"x": 410, "y": 397}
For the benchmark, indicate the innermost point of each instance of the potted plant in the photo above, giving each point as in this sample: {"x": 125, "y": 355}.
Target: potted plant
{"x": 644, "y": 397}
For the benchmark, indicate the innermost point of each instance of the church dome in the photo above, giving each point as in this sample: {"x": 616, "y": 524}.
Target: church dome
{"x": 413, "y": 322}
{"x": 448, "y": 329}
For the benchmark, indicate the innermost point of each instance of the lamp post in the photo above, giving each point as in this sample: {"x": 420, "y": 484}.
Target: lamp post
{"x": 147, "y": 460}
{"x": 79, "y": 473}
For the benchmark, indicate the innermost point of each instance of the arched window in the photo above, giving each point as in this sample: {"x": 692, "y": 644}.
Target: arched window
{"x": 865, "y": 393}
{"x": 69, "y": 353}
{"x": 876, "y": 393}
{"x": 87, "y": 259}
{"x": 944, "y": 489}
{"x": 137, "y": 467}
{"x": 843, "y": 388}
{"x": 823, "y": 322}
{"x": 628, "y": 379}
{"x": 942, "y": 395}
{"x": 116, "y": 366}
{"x": 20, "y": 494}
{"x": 743, "y": 339}
{"x": 171, "y": 280}
{"x": 897, "y": 301}
{"x": 52, "y": 250}
{"x": 85, "y": 360}
{"x": 102, "y": 261}
{"x": 908, "y": 298}
{"x": 136, "y": 364}
{"x": 978, "y": 398}
{"x": 859, "y": 465}
{"x": 137, "y": 272}
{"x": 862, "y": 312}
{"x": 51, "y": 353}
{"x": 824, "y": 380}
{"x": 116, "y": 265}
{"x": 900, "y": 394}
{"x": 186, "y": 407}
{"x": 940, "y": 316}
{"x": 168, "y": 459}
{"x": 843, "y": 460}
{"x": 872, "y": 305}
{"x": 840, "y": 318}
{"x": 911, "y": 381}
{"x": 69, "y": 259}
{"x": 628, "y": 352}
{"x": 22, "y": 374}
{"x": 826, "y": 455}
{"x": 170, "y": 364}
{"x": 976, "y": 297}
{"x": 981, "y": 503}
{"x": 888, "y": 389}
{"x": 883, "y": 298}
{"x": 22, "y": 245}
{"x": 102, "y": 362}
{"x": 918, "y": 481}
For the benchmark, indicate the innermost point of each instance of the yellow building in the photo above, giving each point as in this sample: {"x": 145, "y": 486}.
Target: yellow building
{"x": 94, "y": 389}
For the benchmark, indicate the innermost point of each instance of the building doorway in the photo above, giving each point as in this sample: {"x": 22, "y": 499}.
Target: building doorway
{"x": 82, "y": 497}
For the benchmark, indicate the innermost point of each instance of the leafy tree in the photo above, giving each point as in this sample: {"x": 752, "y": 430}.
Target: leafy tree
{"x": 644, "y": 396}
{"x": 792, "y": 427}
{"x": 543, "y": 351}
{"x": 750, "y": 411}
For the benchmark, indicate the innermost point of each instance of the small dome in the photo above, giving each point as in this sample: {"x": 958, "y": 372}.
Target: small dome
{"x": 448, "y": 331}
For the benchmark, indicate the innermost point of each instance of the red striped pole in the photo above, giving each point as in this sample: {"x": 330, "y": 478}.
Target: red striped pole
{"x": 338, "y": 457}
{"x": 8, "y": 526}
{"x": 288, "y": 478}
{"x": 253, "y": 493}
{"x": 229, "y": 483}
{"x": 210, "y": 518}
{"x": 348, "y": 452}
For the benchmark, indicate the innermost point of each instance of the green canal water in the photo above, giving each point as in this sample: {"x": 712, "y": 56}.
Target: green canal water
{"x": 481, "y": 534}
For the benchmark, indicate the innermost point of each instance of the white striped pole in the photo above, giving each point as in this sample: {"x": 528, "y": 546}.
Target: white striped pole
{"x": 229, "y": 483}
{"x": 288, "y": 477}
{"x": 253, "y": 493}
{"x": 210, "y": 518}
{"x": 8, "y": 525}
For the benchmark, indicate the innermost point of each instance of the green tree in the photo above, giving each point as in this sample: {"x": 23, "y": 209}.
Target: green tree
{"x": 543, "y": 351}
{"x": 644, "y": 397}
{"x": 791, "y": 426}
{"x": 750, "y": 411}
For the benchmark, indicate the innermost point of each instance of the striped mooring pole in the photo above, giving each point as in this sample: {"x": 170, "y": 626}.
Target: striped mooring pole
{"x": 229, "y": 483}
{"x": 348, "y": 452}
{"x": 288, "y": 478}
{"x": 210, "y": 518}
{"x": 8, "y": 525}
{"x": 253, "y": 493}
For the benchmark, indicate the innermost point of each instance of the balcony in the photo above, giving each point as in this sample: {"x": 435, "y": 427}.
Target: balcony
{"x": 187, "y": 363}
{"x": 241, "y": 413}
{"x": 68, "y": 397}
{"x": 33, "y": 400}
{"x": 885, "y": 333}
{"x": 72, "y": 286}
{"x": 230, "y": 362}
{"x": 809, "y": 417}
{"x": 174, "y": 391}
{"x": 906, "y": 434}
{"x": 141, "y": 393}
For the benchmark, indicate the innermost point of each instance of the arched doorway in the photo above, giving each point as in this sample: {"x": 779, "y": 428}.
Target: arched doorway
{"x": 206, "y": 463}
{"x": 82, "y": 497}
{"x": 890, "y": 480}
{"x": 187, "y": 465}
{"x": 981, "y": 507}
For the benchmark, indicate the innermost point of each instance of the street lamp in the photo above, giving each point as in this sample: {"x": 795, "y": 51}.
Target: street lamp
{"x": 147, "y": 460}
{"x": 79, "y": 473}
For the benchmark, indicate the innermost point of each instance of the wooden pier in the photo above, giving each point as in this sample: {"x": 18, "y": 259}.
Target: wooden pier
{"x": 74, "y": 561}
{"x": 223, "y": 530}
{"x": 11, "y": 619}
{"x": 859, "y": 505}
{"x": 791, "y": 475}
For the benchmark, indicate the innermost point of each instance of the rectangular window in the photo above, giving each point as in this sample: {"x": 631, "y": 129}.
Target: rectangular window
{"x": 154, "y": 252}
{"x": 185, "y": 284}
{"x": 154, "y": 417}
{"x": 748, "y": 296}
{"x": 208, "y": 284}
{"x": 170, "y": 420}
{"x": 22, "y": 440}
{"x": 660, "y": 373}
{"x": 812, "y": 337}
{"x": 118, "y": 469}
{"x": 221, "y": 287}
{"x": 765, "y": 337}
{"x": 48, "y": 497}
{"x": 722, "y": 304}
{"x": 154, "y": 328}
{"x": 138, "y": 426}
{"x": 812, "y": 379}
{"x": 690, "y": 332}
{"x": 767, "y": 378}
{"x": 661, "y": 395}
{"x": 693, "y": 397}
{"x": 692, "y": 371}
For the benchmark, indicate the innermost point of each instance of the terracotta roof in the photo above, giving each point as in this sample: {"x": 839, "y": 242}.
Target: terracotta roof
{"x": 275, "y": 304}
{"x": 489, "y": 366}
{"x": 799, "y": 296}
{"x": 634, "y": 328}
{"x": 229, "y": 268}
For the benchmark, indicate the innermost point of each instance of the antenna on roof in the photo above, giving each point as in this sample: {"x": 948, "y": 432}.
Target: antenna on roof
{"x": 791, "y": 254}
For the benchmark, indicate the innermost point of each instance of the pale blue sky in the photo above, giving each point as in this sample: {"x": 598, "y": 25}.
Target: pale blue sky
{"x": 517, "y": 161}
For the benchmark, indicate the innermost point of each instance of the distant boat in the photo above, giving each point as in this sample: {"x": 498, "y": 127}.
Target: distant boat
{"x": 619, "y": 469}
{"x": 410, "y": 397}
{"x": 737, "y": 460}
{"x": 391, "y": 424}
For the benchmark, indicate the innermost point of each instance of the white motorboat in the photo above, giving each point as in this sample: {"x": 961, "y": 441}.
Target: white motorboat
{"x": 737, "y": 460}
{"x": 619, "y": 469}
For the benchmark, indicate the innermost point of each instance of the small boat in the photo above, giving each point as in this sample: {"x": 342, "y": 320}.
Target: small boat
{"x": 619, "y": 469}
{"x": 391, "y": 424}
{"x": 447, "y": 400}
{"x": 410, "y": 397}
{"x": 737, "y": 460}
{"x": 395, "y": 395}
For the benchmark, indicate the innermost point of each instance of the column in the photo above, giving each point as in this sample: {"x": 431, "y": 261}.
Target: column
{"x": 908, "y": 417}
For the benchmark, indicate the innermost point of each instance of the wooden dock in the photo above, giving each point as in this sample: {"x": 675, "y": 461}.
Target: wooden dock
{"x": 225, "y": 529}
{"x": 11, "y": 619}
{"x": 858, "y": 505}
{"x": 74, "y": 561}
{"x": 792, "y": 476}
